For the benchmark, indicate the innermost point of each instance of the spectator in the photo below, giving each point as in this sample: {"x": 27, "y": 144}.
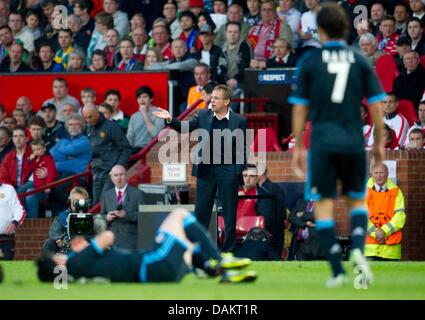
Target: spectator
{"x": 202, "y": 77}
{"x": 387, "y": 38}
{"x": 306, "y": 242}
{"x": 19, "y": 115}
{"x": 61, "y": 97}
{"x": 88, "y": 95}
{"x": 415, "y": 140}
{"x": 153, "y": 56}
{"x": 282, "y": 55}
{"x": 161, "y": 35}
{"x": 113, "y": 97}
{"x": 139, "y": 37}
{"x": 235, "y": 58}
{"x": 377, "y": 13}
{"x": 362, "y": 27}
{"x": 128, "y": 62}
{"x": 234, "y": 14}
{"x": 219, "y": 13}
{"x": 121, "y": 23}
{"x": 137, "y": 21}
{"x": 287, "y": 13}
{"x": 73, "y": 152}
{"x": 403, "y": 47}
{"x": 4, "y": 12}
{"x": 99, "y": 62}
{"x": 77, "y": 61}
{"x": 10, "y": 123}
{"x": 67, "y": 111}
{"x": 308, "y": 32}
{"x": 394, "y": 120}
{"x": 24, "y": 103}
{"x": 6, "y": 41}
{"x": 169, "y": 11}
{"x": 120, "y": 208}
{"x": 55, "y": 129}
{"x": 189, "y": 33}
{"x": 205, "y": 18}
{"x": 112, "y": 50}
{"x": 143, "y": 125}
{"x": 16, "y": 23}
{"x": 418, "y": 8}
{"x": 32, "y": 20}
{"x": 252, "y": 17}
{"x": 15, "y": 63}
{"x": 367, "y": 128}
{"x": 83, "y": 9}
{"x": 385, "y": 203}
{"x": 196, "y": 7}
{"x": 420, "y": 124}
{"x": 58, "y": 228}
{"x": 104, "y": 22}
{"x": 2, "y": 114}
{"x": 369, "y": 47}
{"x": 416, "y": 34}
{"x": 36, "y": 126}
{"x": 109, "y": 146}
{"x": 401, "y": 15}
{"x": 80, "y": 37}
{"x": 65, "y": 42}
{"x": 38, "y": 161}
{"x": 209, "y": 52}
{"x": 47, "y": 63}
{"x": 6, "y": 143}
{"x": 15, "y": 169}
{"x": 106, "y": 109}
{"x": 12, "y": 214}
{"x": 410, "y": 83}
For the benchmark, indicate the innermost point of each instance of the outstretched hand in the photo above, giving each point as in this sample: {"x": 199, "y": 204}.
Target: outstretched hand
{"x": 163, "y": 114}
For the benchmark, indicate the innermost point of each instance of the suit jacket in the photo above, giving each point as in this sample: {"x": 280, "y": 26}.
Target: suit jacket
{"x": 124, "y": 229}
{"x": 204, "y": 120}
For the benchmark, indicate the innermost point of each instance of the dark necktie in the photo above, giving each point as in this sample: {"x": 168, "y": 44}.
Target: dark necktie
{"x": 119, "y": 197}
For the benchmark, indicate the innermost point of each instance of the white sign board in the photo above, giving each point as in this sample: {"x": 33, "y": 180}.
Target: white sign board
{"x": 174, "y": 172}
{"x": 392, "y": 170}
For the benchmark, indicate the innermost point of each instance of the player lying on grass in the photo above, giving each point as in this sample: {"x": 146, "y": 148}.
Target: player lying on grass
{"x": 181, "y": 244}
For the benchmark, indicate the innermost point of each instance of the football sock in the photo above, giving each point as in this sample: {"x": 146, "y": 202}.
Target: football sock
{"x": 197, "y": 233}
{"x": 359, "y": 218}
{"x": 201, "y": 261}
{"x": 327, "y": 238}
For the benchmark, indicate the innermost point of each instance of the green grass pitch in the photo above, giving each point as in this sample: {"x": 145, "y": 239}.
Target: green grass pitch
{"x": 277, "y": 280}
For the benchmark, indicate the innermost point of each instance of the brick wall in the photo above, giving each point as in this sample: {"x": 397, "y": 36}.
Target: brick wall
{"x": 410, "y": 177}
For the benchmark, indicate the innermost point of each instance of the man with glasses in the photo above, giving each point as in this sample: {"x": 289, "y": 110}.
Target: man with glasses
{"x": 214, "y": 166}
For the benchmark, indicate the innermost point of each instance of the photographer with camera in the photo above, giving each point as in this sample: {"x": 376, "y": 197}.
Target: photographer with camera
{"x": 120, "y": 208}
{"x": 58, "y": 232}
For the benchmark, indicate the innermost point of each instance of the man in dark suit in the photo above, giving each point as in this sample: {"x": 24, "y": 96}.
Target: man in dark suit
{"x": 214, "y": 165}
{"x": 120, "y": 207}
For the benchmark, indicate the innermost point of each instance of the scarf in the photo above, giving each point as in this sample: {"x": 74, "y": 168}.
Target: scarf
{"x": 254, "y": 34}
{"x": 126, "y": 67}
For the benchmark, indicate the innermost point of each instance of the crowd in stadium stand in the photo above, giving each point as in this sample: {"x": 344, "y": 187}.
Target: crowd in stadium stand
{"x": 206, "y": 42}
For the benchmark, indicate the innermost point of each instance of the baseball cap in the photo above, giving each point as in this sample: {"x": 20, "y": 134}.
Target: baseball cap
{"x": 205, "y": 28}
{"x": 48, "y": 106}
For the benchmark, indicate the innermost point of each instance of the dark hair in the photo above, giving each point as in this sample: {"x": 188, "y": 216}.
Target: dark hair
{"x": 16, "y": 13}
{"x": 414, "y": 19}
{"x": 68, "y": 31}
{"x": 32, "y": 13}
{"x": 6, "y": 27}
{"x": 85, "y": 4}
{"x": 417, "y": 130}
{"x": 45, "y": 267}
{"x": 128, "y": 40}
{"x": 392, "y": 94}
{"x": 209, "y": 20}
{"x": 44, "y": 44}
{"x": 21, "y": 128}
{"x": 333, "y": 20}
{"x": 113, "y": 92}
{"x": 6, "y": 130}
{"x": 46, "y": 3}
{"x": 36, "y": 120}
{"x": 389, "y": 17}
{"x": 2, "y": 108}
{"x": 249, "y": 166}
{"x": 38, "y": 142}
{"x": 101, "y": 53}
{"x": 107, "y": 106}
{"x": 235, "y": 23}
{"x": 63, "y": 80}
{"x": 189, "y": 14}
{"x": 145, "y": 89}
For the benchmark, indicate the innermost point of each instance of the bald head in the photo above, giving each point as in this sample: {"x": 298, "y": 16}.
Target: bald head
{"x": 379, "y": 173}
{"x": 24, "y": 103}
{"x": 118, "y": 176}
{"x": 90, "y": 114}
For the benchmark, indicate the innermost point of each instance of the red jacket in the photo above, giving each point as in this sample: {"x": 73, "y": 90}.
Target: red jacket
{"x": 47, "y": 162}
{"x": 9, "y": 168}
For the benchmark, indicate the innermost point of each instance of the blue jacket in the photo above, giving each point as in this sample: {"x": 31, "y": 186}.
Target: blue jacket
{"x": 72, "y": 154}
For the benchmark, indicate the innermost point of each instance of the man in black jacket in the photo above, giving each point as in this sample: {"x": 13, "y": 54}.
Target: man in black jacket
{"x": 214, "y": 166}
{"x": 109, "y": 145}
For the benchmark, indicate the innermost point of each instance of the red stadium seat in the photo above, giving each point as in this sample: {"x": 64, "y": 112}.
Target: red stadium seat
{"x": 244, "y": 224}
{"x": 407, "y": 109}
{"x": 387, "y": 71}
